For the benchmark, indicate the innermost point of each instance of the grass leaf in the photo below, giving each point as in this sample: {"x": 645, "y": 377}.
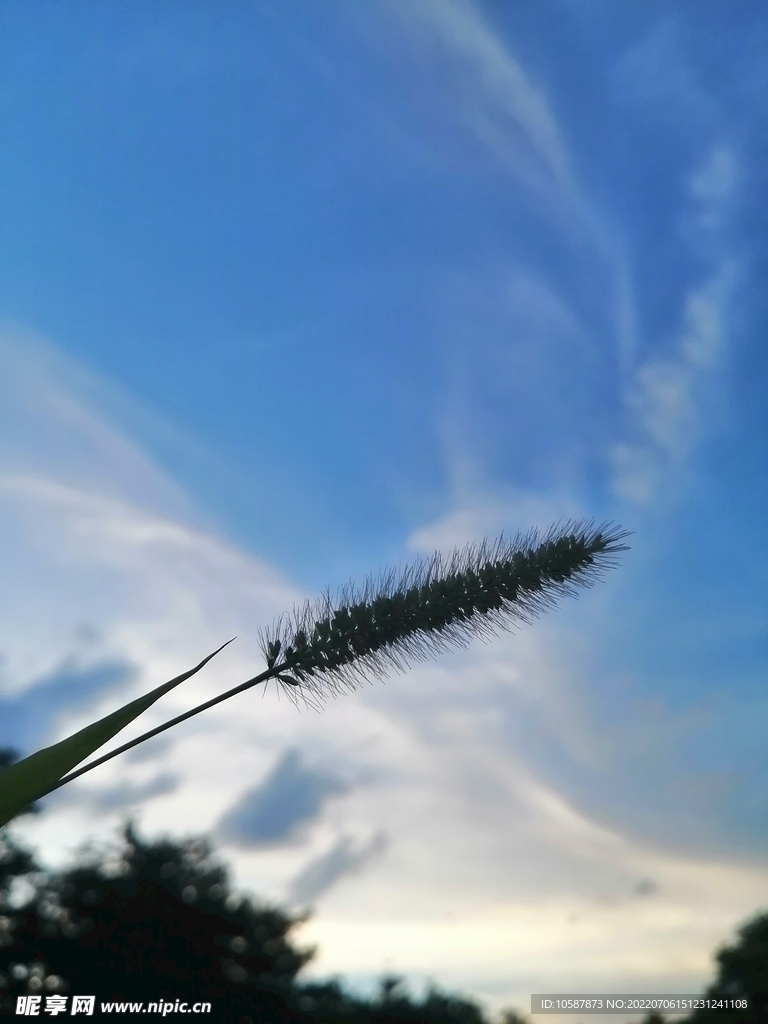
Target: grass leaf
{"x": 34, "y": 776}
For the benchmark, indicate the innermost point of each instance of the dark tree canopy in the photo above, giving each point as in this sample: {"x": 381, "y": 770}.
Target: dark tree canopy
{"x": 742, "y": 971}
{"x": 160, "y": 921}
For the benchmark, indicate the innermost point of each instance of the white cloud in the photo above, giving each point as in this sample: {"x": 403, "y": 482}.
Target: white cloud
{"x": 487, "y": 514}
{"x": 497, "y": 103}
{"x": 50, "y": 426}
{"x": 669, "y": 398}
{"x": 494, "y": 97}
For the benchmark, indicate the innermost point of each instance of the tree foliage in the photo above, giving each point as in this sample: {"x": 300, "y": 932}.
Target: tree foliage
{"x": 160, "y": 920}
{"x": 742, "y": 972}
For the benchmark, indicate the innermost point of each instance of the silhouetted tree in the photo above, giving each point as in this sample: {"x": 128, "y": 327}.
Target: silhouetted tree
{"x": 395, "y": 1004}
{"x": 327, "y": 1002}
{"x": 15, "y": 863}
{"x": 159, "y": 921}
{"x": 743, "y": 972}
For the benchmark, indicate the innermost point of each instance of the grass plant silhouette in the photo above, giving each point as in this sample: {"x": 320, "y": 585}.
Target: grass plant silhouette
{"x": 330, "y": 646}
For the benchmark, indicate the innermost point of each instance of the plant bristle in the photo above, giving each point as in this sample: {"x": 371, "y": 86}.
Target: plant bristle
{"x": 433, "y": 604}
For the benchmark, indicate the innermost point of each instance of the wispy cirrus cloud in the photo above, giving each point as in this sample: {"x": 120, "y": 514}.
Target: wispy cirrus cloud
{"x": 527, "y": 352}
{"x": 490, "y": 93}
{"x": 669, "y": 398}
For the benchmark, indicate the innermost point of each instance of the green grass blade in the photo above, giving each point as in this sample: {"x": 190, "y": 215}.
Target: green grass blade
{"x": 31, "y": 778}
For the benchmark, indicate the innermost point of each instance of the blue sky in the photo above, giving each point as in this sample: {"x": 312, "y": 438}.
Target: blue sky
{"x": 292, "y": 291}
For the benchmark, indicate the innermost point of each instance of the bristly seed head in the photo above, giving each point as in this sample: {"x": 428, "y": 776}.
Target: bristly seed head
{"x": 330, "y": 646}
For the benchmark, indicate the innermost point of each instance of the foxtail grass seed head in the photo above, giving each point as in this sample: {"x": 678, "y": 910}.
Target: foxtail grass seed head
{"x": 397, "y": 618}
{"x": 392, "y": 620}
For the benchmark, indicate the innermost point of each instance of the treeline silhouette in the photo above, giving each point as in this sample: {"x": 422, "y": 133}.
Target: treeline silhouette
{"x": 160, "y": 921}
{"x": 154, "y": 921}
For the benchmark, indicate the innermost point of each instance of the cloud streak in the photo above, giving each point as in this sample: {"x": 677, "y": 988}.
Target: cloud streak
{"x": 290, "y": 797}
{"x": 27, "y": 718}
{"x": 670, "y": 396}
{"x": 667, "y": 397}
{"x": 492, "y": 96}
{"x": 344, "y": 858}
